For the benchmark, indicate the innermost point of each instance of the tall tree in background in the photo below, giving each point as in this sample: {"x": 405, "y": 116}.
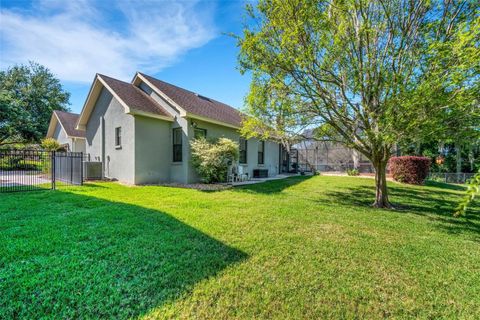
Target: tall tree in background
{"x": 273, "y": 115}
{"x": 28, "y": 96}
{"x": 368, "y": 70}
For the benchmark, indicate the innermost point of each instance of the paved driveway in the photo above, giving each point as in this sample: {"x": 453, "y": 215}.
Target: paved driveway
{"x": 22, "y": 178}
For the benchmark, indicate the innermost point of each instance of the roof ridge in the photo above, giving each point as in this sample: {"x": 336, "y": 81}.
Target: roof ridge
{"x": 192, "y": 92}
{"x": 116, "y": 85}
{"x": 156, "y": 104}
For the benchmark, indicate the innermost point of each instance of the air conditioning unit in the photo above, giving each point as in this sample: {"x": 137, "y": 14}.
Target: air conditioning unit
{"x": 92, "y": 170}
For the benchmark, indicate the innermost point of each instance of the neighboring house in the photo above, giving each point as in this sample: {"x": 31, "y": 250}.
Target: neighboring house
{"x": 63, "y": 129}
{"x": 141, "y": 131}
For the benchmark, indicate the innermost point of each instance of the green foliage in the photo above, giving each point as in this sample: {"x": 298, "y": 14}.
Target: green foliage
{"x": 359, "y": 69}
{"x": 28, "y": 96}
{"x": 212, "y": 158}
{"x": 19, "y": 163}
{"x": 50, "y": 144}
{"x": 473, "y": 190}
{"x": 272, "y": 114}
{"x": 353, "y": 172}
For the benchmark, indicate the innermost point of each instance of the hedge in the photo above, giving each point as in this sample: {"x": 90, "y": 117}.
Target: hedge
{"x": 409, "y": 169}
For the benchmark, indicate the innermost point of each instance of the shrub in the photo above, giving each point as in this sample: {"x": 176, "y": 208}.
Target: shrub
{"x": 50, "y": 144}
{"x": 211, "y": 158}
{"x": 409, "y": 169}
{"x": 353, "y": 172}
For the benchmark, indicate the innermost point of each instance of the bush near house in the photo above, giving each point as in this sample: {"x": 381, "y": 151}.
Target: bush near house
{"x": 50, "y": 144}
{"x": 211, "y": 158}
{"x": 410, "y": 169}
{"x": 353, "y": 172}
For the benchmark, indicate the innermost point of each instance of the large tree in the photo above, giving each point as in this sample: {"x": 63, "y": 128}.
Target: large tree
{"x": 367, "y": 70}
{"x": 28, "y": 95}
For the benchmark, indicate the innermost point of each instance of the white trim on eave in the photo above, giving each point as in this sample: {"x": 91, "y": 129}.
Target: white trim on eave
{"x": 150, "y": 115}
{"x": 183, "y": 112}
{"x": 93, "y": 94}
{"x": 124, "y": 105}
{"x": 205, "y": 119}
{"x": 51, "y": 129}
{"x": 95, "y": 91}
{"x": 135, "y": 82}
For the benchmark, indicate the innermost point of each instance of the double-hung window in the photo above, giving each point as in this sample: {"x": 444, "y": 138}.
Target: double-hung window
{"x": 177, "y": 145}
{"x": 261, "y": 152}
{"x": 243, "y": 150}
{"x": 118, "y": 137}
{"x": 199, "y": 133}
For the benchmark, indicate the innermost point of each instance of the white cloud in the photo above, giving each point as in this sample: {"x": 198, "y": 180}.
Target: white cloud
{"x": 82, "y": 38}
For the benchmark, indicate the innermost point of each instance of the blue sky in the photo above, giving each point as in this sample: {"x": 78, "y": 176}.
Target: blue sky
{"x": 181, "y": 42}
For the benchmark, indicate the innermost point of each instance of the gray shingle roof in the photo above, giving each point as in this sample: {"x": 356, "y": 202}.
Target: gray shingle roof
{"x": 197, "y": 104}
{"x": 69, "y": 121}
{"x": 134, "y": 97}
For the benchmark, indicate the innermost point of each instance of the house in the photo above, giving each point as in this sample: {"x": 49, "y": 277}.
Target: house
{"x": 63, "y": 129}
{"x": 141, "y": 131}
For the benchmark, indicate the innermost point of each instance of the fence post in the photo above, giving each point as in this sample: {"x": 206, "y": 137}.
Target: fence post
{"x": 52, "y": 168}
{"x": 71, "y": 167}
{"x": 81, "y": 168}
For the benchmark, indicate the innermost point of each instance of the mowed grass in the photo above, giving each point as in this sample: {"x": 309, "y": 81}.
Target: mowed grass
{"x": 304, "y": 247}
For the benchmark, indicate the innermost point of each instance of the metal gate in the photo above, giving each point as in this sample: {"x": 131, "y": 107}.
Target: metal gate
{"x": 31, "y": 170}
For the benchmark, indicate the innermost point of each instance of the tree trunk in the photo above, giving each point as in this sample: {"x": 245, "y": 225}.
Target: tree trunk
{"x": 381, "y": 192}
{"x": 356, "y": 159}
{"x": 471, "y": 158}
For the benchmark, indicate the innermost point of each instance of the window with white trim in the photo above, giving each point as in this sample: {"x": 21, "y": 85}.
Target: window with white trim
{"x": 261, "y": 152}
{"x": 242, "y": 150}
{"x": 177, "y": 144}
{"x": 118, "y": 136}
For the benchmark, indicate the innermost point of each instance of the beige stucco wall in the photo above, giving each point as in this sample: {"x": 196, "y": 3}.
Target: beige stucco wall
{"x": 153, "y": 150}
{"x": 74, "y": 144}
{"x": 146, "y": 153}
{"x": 60, "y": 135}
{"x": 118, "y": 162}
{"x": 78, "y": 145}
{"x": 271, "y": 153}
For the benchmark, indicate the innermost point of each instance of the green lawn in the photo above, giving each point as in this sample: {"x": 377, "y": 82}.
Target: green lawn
{"x": 296, "y": 248}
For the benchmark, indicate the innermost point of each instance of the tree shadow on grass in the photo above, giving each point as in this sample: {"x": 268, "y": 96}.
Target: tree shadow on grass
{"x": 272, "y": 186}
{"x": 445, "y": 186}
{"x": 438, "y": 203}
{"x": 77, "y": 256}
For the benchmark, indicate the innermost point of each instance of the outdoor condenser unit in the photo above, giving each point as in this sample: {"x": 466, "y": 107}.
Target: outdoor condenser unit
{"x": 92, "y": 170}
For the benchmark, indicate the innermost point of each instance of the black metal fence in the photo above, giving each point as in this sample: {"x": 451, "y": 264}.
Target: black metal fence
{"x": 31, "y": 170}
{"x": 459, "y": 178}
{"x": 67, "y": 168}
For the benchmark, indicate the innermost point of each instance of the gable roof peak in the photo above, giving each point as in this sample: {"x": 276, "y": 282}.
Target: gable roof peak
{"x": 197, "y": 105}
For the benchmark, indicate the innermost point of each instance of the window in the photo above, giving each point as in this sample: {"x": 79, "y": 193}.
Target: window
{"x": 199, "y": 133}
{"x": 261, "y": 152}
{"x": 118, "y": 136}
{"x": 177, "y": 145}
{"x": 243, "y": 151}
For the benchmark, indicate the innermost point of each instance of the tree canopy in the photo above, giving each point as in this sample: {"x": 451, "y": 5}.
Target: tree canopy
{"x": 28, "y": 96}
{"x": 371, "y": 73}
